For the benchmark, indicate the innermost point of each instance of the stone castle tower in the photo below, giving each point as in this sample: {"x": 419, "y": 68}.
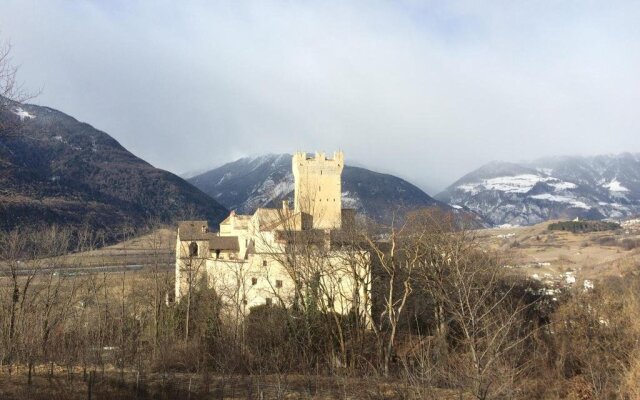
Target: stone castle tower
{"x": 318, "y": 189}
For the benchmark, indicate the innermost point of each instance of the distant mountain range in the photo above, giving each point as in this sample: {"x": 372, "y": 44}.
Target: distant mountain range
{"x": 252, "y": 182}
{"x": 55, "y": 169}
{"x": 598, "y": 187}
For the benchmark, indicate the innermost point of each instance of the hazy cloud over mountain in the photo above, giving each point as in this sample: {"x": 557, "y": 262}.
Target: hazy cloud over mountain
{"x": 426, "y": 90}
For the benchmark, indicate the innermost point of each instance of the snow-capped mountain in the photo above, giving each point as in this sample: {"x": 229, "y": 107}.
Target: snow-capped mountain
{"x": 597, "y": 187}
{"x": 263, "y": 181}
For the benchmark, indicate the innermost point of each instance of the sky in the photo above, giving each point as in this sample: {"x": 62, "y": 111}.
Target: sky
{"x": 427, "y": 90}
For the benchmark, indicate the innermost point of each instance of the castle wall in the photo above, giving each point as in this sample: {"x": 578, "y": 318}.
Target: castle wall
{"x": 268, "y": 279}
{"x": 189, "y": 268}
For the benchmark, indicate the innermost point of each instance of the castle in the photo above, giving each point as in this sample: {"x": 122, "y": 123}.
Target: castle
{"x": 292, "y": 257}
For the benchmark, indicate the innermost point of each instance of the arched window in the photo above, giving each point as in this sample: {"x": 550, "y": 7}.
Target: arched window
{"x": 193, "y": 249}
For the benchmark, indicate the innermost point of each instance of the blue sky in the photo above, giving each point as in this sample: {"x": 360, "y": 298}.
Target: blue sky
{"x": 426, "y": 90}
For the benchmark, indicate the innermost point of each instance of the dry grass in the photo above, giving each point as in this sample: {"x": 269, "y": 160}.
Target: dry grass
{"x": 111, "y": 384}
{"x": 156, "y": 247}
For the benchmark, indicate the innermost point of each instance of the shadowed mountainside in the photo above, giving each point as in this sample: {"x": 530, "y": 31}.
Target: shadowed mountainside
{"x": 55, "y": 169}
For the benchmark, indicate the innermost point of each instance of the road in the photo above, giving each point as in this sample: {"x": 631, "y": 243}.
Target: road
{"x": 73, "y": 271}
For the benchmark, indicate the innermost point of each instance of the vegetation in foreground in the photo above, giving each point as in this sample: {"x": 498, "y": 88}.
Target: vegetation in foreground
{"x": 448, "y": 321}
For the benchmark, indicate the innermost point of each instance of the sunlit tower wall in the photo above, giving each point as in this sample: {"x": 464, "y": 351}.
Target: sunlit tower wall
{"x": 318, "y": 188}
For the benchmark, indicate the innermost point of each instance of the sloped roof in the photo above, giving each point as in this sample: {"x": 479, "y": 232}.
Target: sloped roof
{"x": 224, "y": 243}
{"x": 309, "y": 236}
{"x": 192, "y": 230}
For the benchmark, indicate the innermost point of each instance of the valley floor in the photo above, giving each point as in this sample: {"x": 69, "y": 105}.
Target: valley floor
{"x": 566, "y": 258}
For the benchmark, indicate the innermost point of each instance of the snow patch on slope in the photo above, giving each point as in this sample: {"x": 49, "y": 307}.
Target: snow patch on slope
{"x": 561, "y": 199}
{"x": 615, "y": 186}
{"x": 23, "y": 114}
{"x": 350, "y": 200}
{"x": 515, "y": 184}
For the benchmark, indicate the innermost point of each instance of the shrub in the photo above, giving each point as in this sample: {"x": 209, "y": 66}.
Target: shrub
{"x": 630, "y": 244}
{"x": 583, "y": 226}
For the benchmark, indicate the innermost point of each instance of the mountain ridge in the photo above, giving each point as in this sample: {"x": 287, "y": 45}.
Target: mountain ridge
{"x": 590, "y": 187}
{"x": 262, "y": 181}
{"x": 56, "y": 169}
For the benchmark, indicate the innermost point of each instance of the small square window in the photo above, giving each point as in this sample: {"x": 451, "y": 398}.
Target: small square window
{"x": 244, "y": 301}
{"x": 278, "y": 284}
{"x": 254, "y": 281}
{"x": 268, "y": 301}
{"x": 264, "y": 263}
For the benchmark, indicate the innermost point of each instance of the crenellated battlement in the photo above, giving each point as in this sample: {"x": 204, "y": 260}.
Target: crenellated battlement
{"x": 319, "y": 157}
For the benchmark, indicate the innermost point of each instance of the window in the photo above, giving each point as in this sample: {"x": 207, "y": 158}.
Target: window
{"x": 264, "y": 263}
{"x": 330, "y": 302}
{"x": 244, "y": 301}
{"x": 193, "y": 249}
{"x": 254, "y": 281}
{"x": 204, "y": 229}
{"x": 278, "y": 284}
{"x": 268, "y": 301}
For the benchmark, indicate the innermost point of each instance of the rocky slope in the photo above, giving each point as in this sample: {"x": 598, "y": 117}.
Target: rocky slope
{"x": 598, "y": 187}
{"x": 55, "y": 169}
{"x": 249, "y": 183}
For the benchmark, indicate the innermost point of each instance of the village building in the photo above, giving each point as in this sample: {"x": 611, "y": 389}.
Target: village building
{"x": 292, "y": 257}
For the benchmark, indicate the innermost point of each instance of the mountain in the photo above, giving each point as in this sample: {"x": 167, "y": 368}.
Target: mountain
{"x": 249, "y": 183}
{"x": 55, "y": 169}
{"x": 597, "y": 187}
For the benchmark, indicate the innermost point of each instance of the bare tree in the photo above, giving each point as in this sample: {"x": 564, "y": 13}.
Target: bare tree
{"x": 11, "y": 91}
{"x": 394, "y": 269}
{"x": 191, "y": 269}
{"x": 477, "y": 309}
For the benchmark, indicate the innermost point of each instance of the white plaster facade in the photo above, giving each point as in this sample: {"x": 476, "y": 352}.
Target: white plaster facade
{"x": 281, "y": 256}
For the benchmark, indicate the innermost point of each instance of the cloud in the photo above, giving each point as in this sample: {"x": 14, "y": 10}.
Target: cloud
{"x": 426, "y": 90}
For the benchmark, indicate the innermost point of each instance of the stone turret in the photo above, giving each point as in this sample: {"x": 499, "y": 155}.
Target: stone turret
{"x": 318, "y": 188}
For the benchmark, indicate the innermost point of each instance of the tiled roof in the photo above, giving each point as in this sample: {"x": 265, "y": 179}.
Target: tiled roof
{"x": 193, "y": 230}
{"x": 224, "y": 243}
